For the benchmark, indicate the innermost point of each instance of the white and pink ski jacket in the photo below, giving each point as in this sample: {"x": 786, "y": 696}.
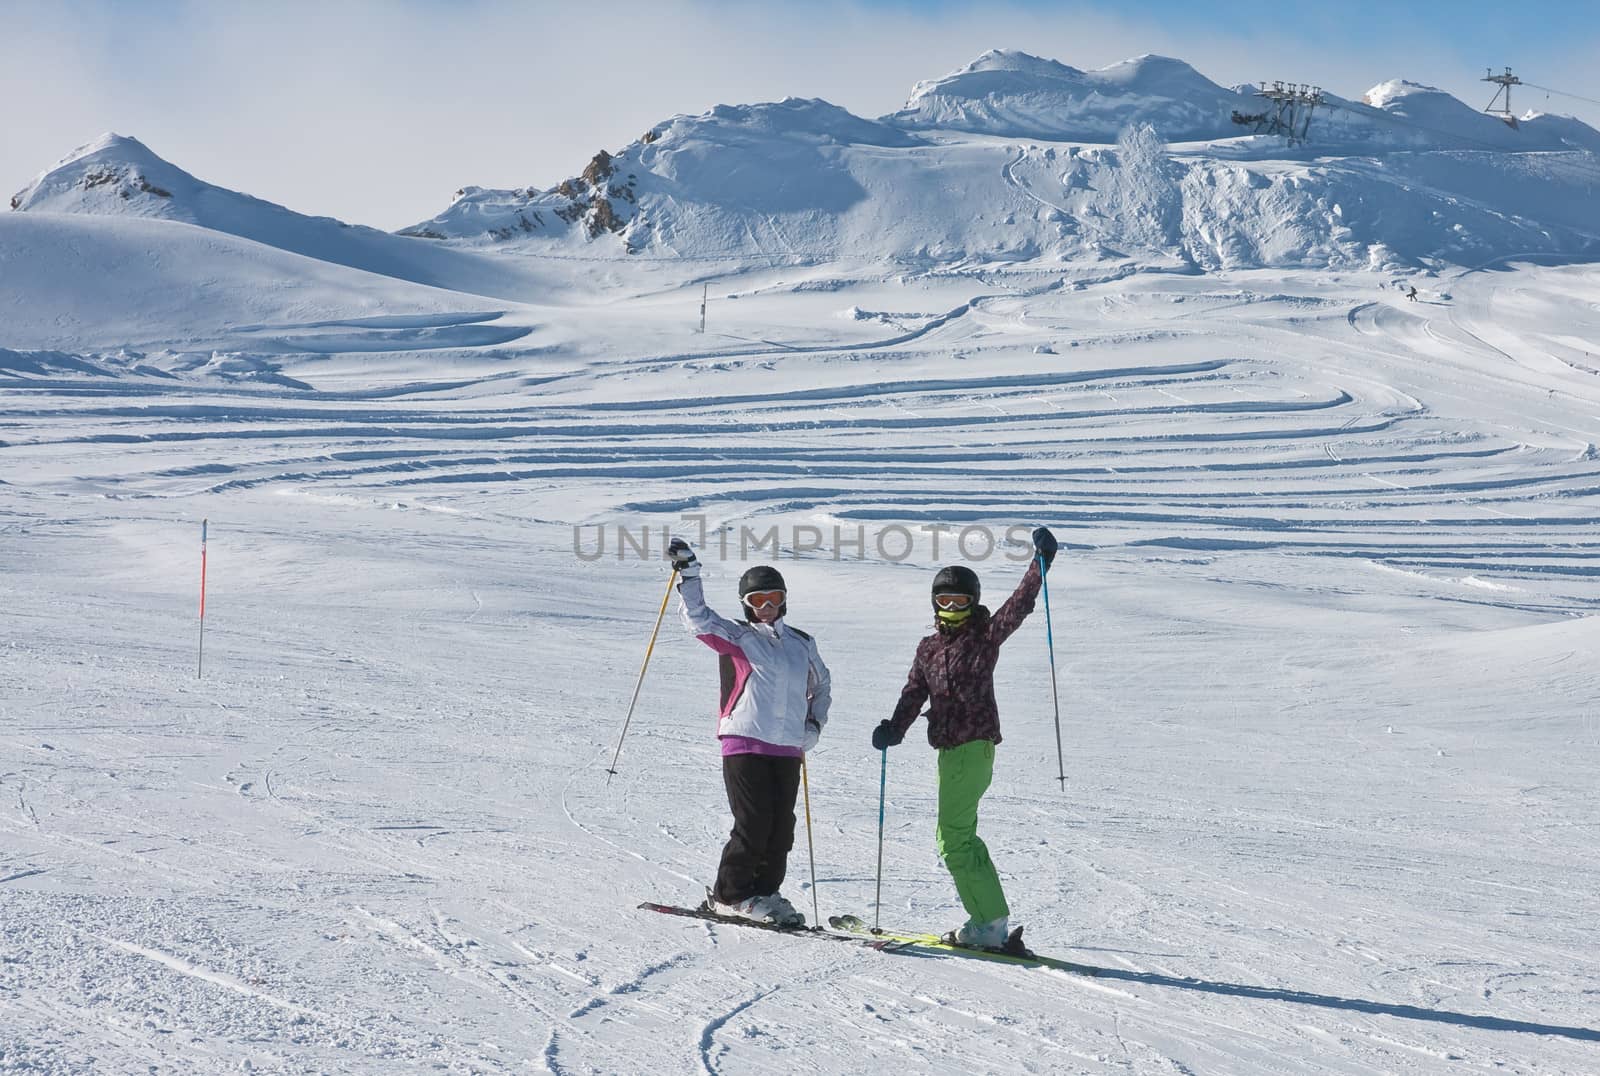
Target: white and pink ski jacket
{"x": 773, "y": 680}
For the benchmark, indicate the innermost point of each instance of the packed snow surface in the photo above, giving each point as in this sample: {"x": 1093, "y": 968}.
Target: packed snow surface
{"x": 1323, "y": 620}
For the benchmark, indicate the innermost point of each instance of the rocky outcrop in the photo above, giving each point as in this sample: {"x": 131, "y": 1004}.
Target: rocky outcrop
{"x": 599, "y": 170}
{"x": 596, "y": 202}
{"x": 127, "y": 183}
{"x": 602, "y": 218}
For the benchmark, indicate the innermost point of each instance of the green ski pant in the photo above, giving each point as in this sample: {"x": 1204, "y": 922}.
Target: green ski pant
{"x": 964, "y": 776}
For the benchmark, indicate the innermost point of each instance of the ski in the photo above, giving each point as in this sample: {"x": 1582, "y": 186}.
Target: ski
{"x": 850, "y": 928}
{"x": 868, "y": 940}
{"x": 852, "y": 924}
{"x": 903, "y": 942}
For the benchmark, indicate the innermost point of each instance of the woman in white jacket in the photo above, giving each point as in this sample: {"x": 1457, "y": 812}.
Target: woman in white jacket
{"x": 774, "y": 704}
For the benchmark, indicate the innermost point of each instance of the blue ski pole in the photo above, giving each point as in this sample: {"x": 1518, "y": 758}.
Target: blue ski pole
{"x": 1055, "y": 696}
{"x": 883, "y": 784}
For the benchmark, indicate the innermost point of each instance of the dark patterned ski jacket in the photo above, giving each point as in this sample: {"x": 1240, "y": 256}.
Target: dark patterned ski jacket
{"x": 956, "y": 670}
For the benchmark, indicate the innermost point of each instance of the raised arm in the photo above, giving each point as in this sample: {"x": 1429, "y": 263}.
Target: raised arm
{"x": 1009, "y": 617}
{"x": 704, "y": 622}
{"x": 1020, "y": 604}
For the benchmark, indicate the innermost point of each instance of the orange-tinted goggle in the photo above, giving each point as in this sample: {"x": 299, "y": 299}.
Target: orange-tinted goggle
{"x": 952, "y": 601}
{"x": 764, "y": 599}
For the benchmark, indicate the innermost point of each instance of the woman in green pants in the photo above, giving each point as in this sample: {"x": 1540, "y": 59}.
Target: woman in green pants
{"x": 954, "y": 668}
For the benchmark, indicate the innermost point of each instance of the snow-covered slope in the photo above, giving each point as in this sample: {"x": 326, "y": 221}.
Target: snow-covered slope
{"x": 691, "y": 192}
{"x": 1323, "y": 619}
{"x": 121, "y": 177}
{"x": 83, "y": 282}
{"x": 1320, "y": 656}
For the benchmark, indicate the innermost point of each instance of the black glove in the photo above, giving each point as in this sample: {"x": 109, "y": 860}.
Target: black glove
{"x": 679, "y": 553}
{"x": 886, "y": 736}
{"x": 1044, "y": 545}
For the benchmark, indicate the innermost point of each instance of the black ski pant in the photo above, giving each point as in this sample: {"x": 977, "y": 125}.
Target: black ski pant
{"x": 761, "y": 792}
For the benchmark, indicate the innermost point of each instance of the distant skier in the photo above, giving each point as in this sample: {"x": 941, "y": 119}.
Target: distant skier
{"x": 1411, "y": 293}
{"x": 954, "y": 667}
{"x": 775, "y": 698}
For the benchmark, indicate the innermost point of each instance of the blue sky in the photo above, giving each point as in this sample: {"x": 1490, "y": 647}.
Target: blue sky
{"x": 375, "y": 111}
{"x": 1467, "y": 25}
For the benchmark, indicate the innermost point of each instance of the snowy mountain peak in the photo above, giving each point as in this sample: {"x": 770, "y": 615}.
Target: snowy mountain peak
{"x": 114, "y": 173}
{"x": 792, "y": 117}
{"x": 1013, "y": 60}
{"x": 111, "y": 142}
{"x": 760, "y": 160}
{"x": 1385, "y": 93}
{"x": 1152, "y": 72}
{"x": 996, "y": 68}
{"x": 118, "y": 176}
{"x": 1018, "y": 95}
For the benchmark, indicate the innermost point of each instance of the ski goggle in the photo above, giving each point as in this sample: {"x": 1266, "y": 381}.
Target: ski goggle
{"x": 764, "y": 599}
{"x": 952, "y": 601}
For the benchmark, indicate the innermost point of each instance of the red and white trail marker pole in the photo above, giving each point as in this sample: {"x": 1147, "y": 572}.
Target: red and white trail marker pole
{"x": 201, "y": 667}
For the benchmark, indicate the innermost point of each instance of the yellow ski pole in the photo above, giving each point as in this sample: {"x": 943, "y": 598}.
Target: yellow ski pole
{"x": 811, "y": 848}
{"x": 612, "y": 770}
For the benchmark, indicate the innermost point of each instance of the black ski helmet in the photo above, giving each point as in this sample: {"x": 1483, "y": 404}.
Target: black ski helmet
{"x": 958, "y": 579}
{"x": 763, "y": 577}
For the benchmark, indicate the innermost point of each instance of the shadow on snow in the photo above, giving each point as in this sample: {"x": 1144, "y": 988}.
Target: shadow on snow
{"x": 1329, "y": 1001}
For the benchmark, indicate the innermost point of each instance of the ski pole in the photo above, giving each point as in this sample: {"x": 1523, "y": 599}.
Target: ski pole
{"x": 883, "y": 784}
{"x": 200, "y": 664}
{"x": 811, "y": 848}
{"x": 1055, "y": 698}
{"x": 612, "y": 770}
